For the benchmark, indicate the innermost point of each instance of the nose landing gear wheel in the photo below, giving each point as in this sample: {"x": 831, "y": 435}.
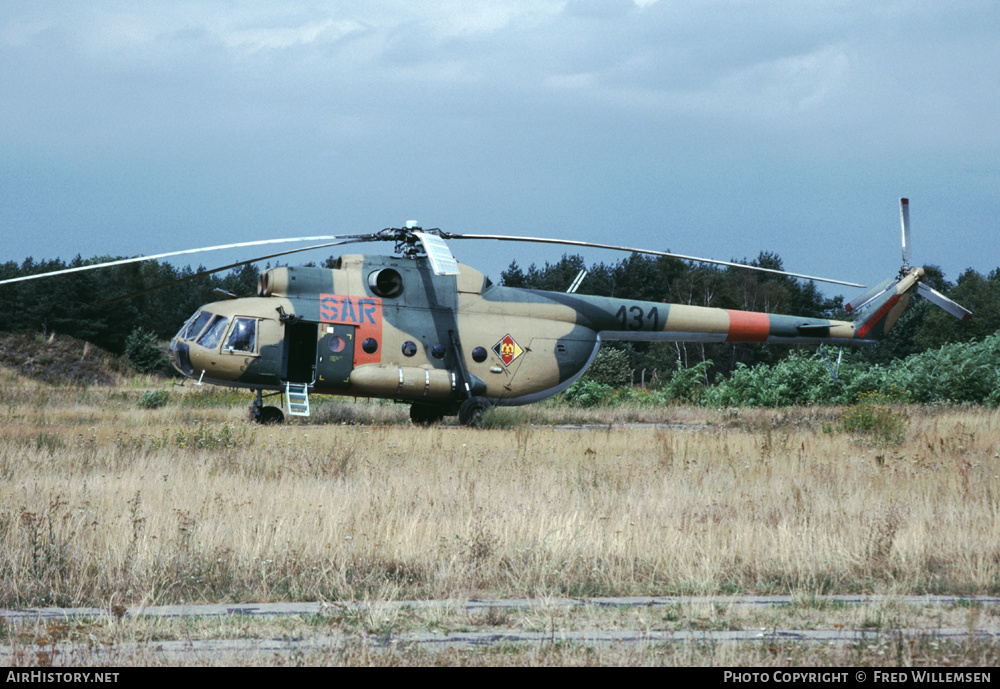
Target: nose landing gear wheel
{"x": 473, "y": 411}
{"x": 265, "y": 415}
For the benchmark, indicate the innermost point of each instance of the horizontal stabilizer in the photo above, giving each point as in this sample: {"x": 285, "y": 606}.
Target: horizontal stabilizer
{"x": 935, "y": 297}
{"x": 815, "y": 329}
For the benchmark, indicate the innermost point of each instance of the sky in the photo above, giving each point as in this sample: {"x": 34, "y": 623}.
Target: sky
{"x": 709, "y": 128}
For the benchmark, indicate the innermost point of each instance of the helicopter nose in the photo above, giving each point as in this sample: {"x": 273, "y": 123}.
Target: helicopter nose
{"x": 180, "y": 357}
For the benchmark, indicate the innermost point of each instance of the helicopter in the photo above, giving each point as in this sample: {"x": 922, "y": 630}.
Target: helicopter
{"x": 420, "y": 328}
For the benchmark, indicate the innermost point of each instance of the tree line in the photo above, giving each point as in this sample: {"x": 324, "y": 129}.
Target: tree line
{"x": 74, "y": 305}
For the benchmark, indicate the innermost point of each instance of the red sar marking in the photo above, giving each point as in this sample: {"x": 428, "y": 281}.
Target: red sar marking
{"x": 363, "y": 312}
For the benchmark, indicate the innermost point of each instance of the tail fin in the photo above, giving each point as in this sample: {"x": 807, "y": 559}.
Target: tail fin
{"x": 880, "y": 307}
{"x": 884, "y": 308}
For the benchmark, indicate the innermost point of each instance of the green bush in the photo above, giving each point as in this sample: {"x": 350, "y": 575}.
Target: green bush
{"x": 145, "y": 353}
{"x": 639, "y": 397}
{"x": 686, "y": 384}
{"x": 799, "y": 379}
{"x": 588, "y": 393}
{"x": 154, "y": 399}
{"x": 611, "y": 367}
{"x": 961, "y": 372}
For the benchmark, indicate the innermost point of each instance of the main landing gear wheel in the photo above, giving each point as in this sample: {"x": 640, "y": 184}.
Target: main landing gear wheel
{"x": 473, "y": 411}
{"x": 425, "y": 414}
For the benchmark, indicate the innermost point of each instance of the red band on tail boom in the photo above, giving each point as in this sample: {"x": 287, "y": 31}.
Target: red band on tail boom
{"x": 747, "y": 326}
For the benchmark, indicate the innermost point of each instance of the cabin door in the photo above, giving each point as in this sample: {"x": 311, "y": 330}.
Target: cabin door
{"x": 300, "y": 352}
{"x": 335, "y": 356}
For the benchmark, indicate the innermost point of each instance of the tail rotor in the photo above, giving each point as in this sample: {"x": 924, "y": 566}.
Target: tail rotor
{"x": 887, "y": 299}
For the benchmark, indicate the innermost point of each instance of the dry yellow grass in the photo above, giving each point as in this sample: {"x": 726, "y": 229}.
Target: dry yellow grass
{"x": 102, "y": 503}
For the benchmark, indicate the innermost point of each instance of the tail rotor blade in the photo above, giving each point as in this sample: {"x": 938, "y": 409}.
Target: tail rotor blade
{"x": 904, "y": 220}
{"x": 875, "y": 292}
{"x": 935, "y": 297}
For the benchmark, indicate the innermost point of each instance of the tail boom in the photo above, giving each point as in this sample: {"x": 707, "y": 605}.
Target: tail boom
{"x": 685, "y": 323}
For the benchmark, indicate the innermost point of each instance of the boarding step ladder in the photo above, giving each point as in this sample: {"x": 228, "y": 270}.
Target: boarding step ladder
{"x": 297, "y": 396}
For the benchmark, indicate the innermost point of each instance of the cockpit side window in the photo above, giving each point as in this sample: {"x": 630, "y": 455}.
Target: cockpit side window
{"x": 210, "y": 340}
{"x": 197, "y": 324}
{"x": 243, "y": 337}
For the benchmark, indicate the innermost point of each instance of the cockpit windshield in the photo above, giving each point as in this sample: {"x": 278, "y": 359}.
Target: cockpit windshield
{"x": 214, "y": 333}
{"x": 196, "y": 325}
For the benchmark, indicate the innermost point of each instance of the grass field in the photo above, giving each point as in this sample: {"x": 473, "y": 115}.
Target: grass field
{"x": 103, "y": 503}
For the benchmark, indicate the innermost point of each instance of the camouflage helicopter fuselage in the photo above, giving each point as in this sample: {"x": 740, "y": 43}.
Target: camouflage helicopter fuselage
{"x": 390, "y": 327}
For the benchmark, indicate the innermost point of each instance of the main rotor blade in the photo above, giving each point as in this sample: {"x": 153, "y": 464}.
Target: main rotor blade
{"x": 238, "y": 245}
{"x": 203, "y": 273}
{"x": 571, "y": 242}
